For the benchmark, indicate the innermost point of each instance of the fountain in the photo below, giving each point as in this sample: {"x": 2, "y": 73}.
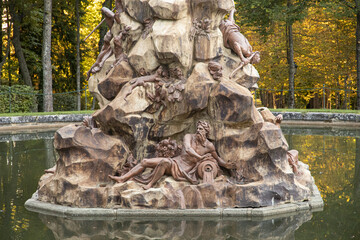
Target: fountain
{"x": 178, "y": 129}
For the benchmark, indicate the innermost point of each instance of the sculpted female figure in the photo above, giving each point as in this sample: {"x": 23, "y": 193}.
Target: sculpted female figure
{"x": 196, "y": 149}
{"x": 237, "y": 42}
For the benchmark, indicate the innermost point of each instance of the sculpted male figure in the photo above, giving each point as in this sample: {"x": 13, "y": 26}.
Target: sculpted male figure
{"x": 196, "y": 149}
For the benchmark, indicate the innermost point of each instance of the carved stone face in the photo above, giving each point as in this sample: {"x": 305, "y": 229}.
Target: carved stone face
{"x": 200, "y": 130}
{"x": 201, "y": 134}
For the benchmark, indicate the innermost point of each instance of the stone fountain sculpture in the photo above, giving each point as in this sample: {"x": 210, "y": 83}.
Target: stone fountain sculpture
{"x": 166, "y": 66}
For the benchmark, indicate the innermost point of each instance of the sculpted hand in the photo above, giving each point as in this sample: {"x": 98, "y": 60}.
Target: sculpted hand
{"x": 230, "y": 165}
{"x": 206, "y": 157}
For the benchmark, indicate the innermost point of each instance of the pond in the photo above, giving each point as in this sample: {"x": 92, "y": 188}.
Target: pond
{"x": 333, "y": 155}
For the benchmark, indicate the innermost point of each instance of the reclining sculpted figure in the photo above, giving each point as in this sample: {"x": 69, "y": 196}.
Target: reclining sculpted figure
{"x": 237, "y": 42}
{"x": 196, "y": 149}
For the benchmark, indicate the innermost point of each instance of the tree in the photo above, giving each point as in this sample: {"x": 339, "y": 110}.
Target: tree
{"x": 77, "y": 9}
{"x": 46, "y": 58}
{"x": 357, "y": 9}
{"x": 4, "y": 57}
{"x": 15, "y": 11}
{"x": 1, "y": 36}
{"x": 264, "y": 15}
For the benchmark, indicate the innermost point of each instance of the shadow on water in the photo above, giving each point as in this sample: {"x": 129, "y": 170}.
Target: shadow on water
{"x": 333, "y": 155}
{"x": 179, "y": 228}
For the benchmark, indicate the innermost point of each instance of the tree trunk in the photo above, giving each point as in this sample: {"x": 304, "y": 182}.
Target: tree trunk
{"x": 7, "y": 51}
{"x": 46, "y": 58}
{"x": 291, "y": 63}
{"x": 358, "y": 55}
{"x": 17, "y": 45}
{"x": 77, "y": 6}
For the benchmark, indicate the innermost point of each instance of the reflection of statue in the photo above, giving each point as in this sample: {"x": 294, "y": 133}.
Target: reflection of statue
{"x": 196, "y": 149}
{"x": 179, "y": 227}
{"x": 234, "y": 40}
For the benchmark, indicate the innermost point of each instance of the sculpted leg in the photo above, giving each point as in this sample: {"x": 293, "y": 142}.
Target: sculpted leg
{"x": 138, "y": 169}
{"x": 237, "y": 49}
{"x": 163, "y": 166}
{"x": 132, "y": 173}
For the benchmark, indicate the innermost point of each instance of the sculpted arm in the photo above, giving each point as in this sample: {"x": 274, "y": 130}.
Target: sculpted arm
{"x": 188, "y": 149}
{"x": 221, "y": 162}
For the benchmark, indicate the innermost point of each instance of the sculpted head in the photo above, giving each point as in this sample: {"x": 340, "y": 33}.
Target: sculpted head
{"x": 215, "y": 70}
{"x": 203, "y": 128}
{"x": 167, "y": 148}
{"x": 256, "y": 58}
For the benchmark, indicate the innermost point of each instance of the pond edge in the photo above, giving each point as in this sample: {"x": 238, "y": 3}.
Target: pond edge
{"x": 315, "y": 204}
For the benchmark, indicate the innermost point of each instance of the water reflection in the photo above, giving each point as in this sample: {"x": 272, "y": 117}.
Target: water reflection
{"x": 170, "y": 228}
{"x": 333, "y": 157}
{"x": 21, "y": 164}
{"x": 357, "y": 170}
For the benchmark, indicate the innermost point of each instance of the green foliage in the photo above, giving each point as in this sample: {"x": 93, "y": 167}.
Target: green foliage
{"x": 264, "y": 14}
{"x": 46, "y": 113}
{"x": 64, "y": 102}
{"x": 23, "y": 99}
{"x": 31, "y": 40}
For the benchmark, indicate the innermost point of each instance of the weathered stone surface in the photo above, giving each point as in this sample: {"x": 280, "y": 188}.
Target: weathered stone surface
{"x": 246, "y": 77}
{"x": 143, "y": 56}
{"x": 135, "y": 103}
{"x": 86, "y": 157}
{"x": 115, "y": 80}
{"x": 208, "y": 47}
{"x": 212, "y": 9}
{"x": 126, "y": 118}
{"x": 169, "y": 193}
{"x": 169, "y": 9}
{"x": 196, "y": 95}
{"x": 254, "y": 150}
{"x": 232, "y": 103}
{"x": 95, "y": 79}
{"x": 172, "y": 43}
{"x": 134, "y": 32}
{"x": 138, "y": 9}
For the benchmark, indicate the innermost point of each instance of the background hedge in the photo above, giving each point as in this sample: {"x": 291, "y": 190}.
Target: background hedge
{"x": 23, "y": 99}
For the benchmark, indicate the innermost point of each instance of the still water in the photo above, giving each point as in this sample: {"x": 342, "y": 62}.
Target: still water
{"x": 333, "y": 155}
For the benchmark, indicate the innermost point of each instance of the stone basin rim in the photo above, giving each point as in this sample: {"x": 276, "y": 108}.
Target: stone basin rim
{"x": 314, "y": 204}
